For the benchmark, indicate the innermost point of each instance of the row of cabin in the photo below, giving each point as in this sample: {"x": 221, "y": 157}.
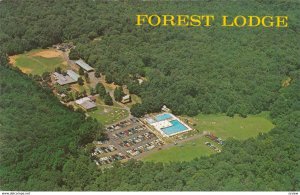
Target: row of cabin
{"x": 87, "y": 103}
{"x": 72, "y": 77}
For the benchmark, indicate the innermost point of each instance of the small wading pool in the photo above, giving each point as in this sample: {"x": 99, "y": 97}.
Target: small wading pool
{"x": 175, "y": 128}
{"x": 163, "y": 117}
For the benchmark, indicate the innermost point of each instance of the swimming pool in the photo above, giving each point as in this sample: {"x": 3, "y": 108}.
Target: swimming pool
{"x": 176, "y": 127}
{"x": 163, "y": 117}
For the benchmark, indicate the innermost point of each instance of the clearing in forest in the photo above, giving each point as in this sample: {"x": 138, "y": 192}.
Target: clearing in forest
{"x": 236, "y": 127}
{"x": 220, "y": 125}
{"x": 38, "y": 61}
{"x": 108, "y": 114}
{"x": 182, "y": 152}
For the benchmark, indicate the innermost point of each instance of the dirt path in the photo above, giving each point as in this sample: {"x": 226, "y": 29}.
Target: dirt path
{"x": 66, "y": 58}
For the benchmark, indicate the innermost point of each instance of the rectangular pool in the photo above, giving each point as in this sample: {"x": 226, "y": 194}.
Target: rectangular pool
{"x": 175, "y": 128}
{"x": 163, "y": 117}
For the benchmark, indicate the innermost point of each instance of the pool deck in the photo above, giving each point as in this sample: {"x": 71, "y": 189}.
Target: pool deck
{"x": 170, "y": 117}
{"x": 163, "y": 117}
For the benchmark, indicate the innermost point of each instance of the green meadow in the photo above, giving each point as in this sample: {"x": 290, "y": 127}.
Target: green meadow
{"x": 183, "y": 152}
{"x": 32, "y": 63}
{"x": 236, "y": 127}
{"x": 218, "y": 124}
{"x": 108, "y": 114}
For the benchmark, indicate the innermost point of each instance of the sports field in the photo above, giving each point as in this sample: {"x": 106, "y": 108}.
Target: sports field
{"x": 222, "y": 126}
{"x": 183, "y": 152}
{"x": 235, "y": 127}
{"x": 38, "y": 61}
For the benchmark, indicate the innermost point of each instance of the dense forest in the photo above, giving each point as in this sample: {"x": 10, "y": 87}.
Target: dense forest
{"x": 191, "y": 70}
{"x": 38, "y": 135}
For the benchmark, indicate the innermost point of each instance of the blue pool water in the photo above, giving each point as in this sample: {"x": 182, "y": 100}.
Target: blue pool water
{"x": 163, "y": 117}
{"x": 175, "y": 128}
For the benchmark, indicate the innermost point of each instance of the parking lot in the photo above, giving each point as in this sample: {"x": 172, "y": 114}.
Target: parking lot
{"x": 127, "y": 139}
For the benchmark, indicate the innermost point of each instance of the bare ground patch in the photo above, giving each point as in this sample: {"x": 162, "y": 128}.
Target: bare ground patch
{"x": 12, "y": 59}
{"x": 26, "y": 70}
{"x": 49, "y": 53}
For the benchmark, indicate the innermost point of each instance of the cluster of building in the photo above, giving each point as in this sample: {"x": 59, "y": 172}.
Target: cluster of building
{"x": 71, "y": 77}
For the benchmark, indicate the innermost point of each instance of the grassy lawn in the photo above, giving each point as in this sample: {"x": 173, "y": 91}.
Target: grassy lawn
{"x": 236, "y": 127}
{"x": 134, "y": 100}
{"x": 222, "y": 126}
{"x": 81, "y": 88}
{"x": 183, "y": 152}
{"x": 33, "y": 63}
{"x": 107, "y": 115}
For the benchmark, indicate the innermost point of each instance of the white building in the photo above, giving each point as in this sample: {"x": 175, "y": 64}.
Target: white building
{"x": 86, "y": 103}
{"x": 84, "y": 65}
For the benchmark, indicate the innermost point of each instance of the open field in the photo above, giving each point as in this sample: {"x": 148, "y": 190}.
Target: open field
{"x": 183, "y": 152}
{"x": 108, "y": 114}
{"x": 235, "y": 127}
{"x": 38, "y": 61}
{"x": 222, "y": 126}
